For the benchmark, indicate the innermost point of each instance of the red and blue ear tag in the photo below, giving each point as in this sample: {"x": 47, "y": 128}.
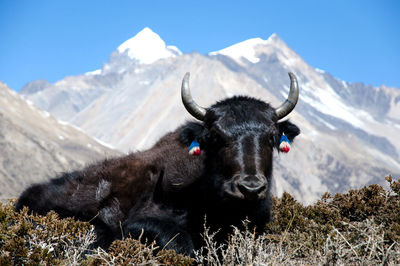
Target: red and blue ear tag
{"x": 284, "y": 145}
{"x": 194, "y": 148}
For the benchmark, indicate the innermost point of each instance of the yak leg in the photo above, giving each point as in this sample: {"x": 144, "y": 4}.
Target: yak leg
{"x": 166, "y": 232}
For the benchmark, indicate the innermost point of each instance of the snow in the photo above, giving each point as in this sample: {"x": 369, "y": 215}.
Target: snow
{"x": 63, "y": 123}
{"x": 34, "y": 107}
{"x": 320, "y": 70}
{"x": 45, "y": 113}
{"x": 244, "y": 49}
{"x": 93, "y": 73}
{"x": 104, "y": 143}
{"x": 174, "y": 49}
{"x": 67, "y": 124}
{"x": 273, "y": 36}
{"x": 328, "y": 102}
{"x": 147, "y": 47}
{"x": 144, "y": 82}
{"x": 329, "y": 125}
{"x": 390, "y": 123}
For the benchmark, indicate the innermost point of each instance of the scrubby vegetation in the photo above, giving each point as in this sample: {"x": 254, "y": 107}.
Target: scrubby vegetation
{"x": 354, "y": 228}
{"x": 27, "y": 239}
{"x": 360, "y": 227}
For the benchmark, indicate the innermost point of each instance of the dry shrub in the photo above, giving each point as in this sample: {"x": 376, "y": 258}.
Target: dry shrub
{"x": 357, "y": 228}
{"x": 27, "y": 239}
{"x": 244, "y": 247}
{"x": 132, "y": 252}
{"x": 362, "y": 243}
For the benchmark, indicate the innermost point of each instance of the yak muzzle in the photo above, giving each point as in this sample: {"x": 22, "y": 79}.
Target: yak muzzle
{"x": 248, "y": 187}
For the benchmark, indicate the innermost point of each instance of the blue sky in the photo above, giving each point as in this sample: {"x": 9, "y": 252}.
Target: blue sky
{"x": 353, "y": 40}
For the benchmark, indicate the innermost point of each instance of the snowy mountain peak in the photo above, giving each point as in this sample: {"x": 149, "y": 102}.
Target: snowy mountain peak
{"x": 147, "y": 47}
{"x": 246, "y": 49}
{"x": 274, "y": 38}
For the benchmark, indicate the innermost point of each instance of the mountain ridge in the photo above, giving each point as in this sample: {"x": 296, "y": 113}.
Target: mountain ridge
{"x": 34, "y": 146}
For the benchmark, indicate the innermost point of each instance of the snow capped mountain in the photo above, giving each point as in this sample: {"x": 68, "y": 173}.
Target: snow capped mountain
{"x": 147, "y": 47}
{"x": 245, "y": 49}
{"x": 349, "y": 130}
{"x": 336, "y": 104}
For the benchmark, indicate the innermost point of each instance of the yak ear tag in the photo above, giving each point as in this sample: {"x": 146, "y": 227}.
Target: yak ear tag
{"x": 194, "y": 148}
{"x": 284, "y": 145}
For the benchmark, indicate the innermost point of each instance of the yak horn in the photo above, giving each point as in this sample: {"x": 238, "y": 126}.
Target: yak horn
{"x": 191, "y": 106}
{"x": 291, "y": 101}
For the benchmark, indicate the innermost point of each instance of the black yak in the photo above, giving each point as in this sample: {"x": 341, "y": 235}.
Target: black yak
{"x": 164, "y": 193}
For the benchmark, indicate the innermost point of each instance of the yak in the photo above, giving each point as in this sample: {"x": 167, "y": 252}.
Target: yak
{"x": 163, "y": 194}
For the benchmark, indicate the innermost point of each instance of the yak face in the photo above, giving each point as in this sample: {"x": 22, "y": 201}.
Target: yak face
{"x": 238, "y": 136}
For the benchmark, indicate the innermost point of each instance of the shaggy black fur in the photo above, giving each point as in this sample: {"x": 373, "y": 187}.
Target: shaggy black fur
{"x": 164, "y": 193}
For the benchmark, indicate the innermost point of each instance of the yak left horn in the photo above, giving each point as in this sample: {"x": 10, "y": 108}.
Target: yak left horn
{"x": 191, "y": 106}
{"x": 291, "y": 101}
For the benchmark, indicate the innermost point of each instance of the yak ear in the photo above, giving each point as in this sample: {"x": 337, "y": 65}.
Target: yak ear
{"x": 190, "y": 132}
{"x": 289, "y": 129}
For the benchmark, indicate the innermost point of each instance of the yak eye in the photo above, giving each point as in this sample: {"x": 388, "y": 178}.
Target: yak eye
{"x": 274, "y": 140}
{"x": 218, "y": 139}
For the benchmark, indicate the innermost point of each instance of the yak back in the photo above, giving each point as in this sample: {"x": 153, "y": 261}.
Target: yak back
{"x": 135, "y": 176}
{"x": 110, "y": 188}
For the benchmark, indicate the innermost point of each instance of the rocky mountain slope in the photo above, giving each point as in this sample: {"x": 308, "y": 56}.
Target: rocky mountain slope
{"x": 34, "y": 146}
{"x": 349, "y": 131}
